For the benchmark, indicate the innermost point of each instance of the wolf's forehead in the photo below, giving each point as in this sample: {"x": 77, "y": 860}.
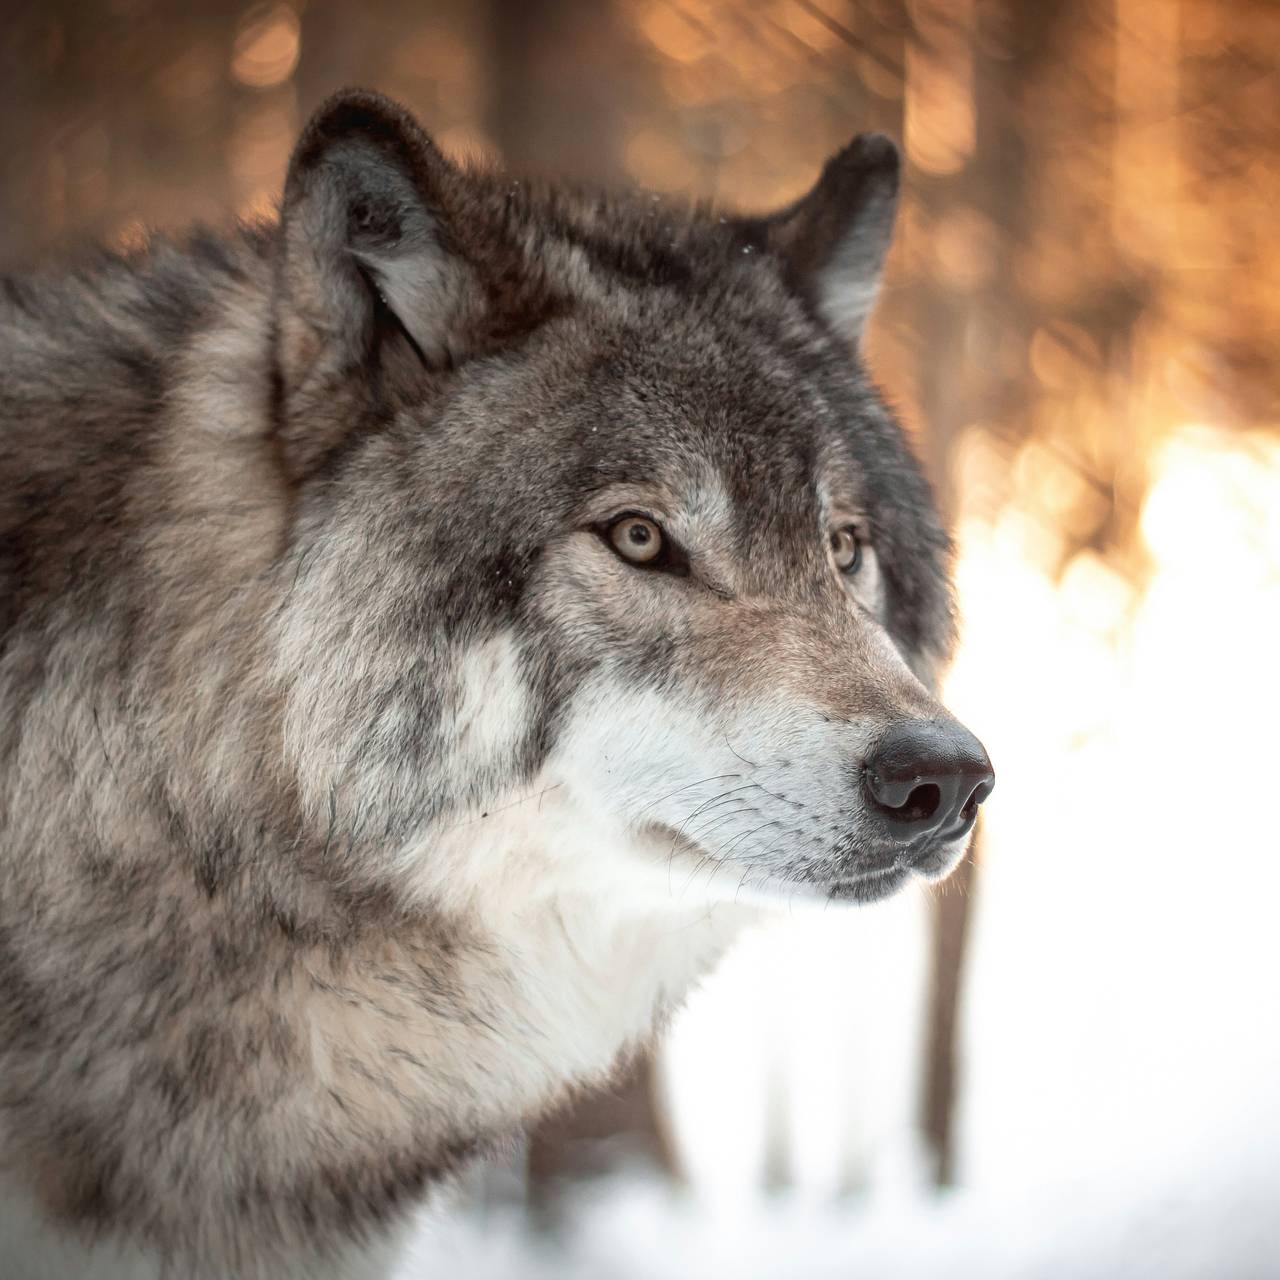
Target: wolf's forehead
{"x": 755, "y": 424}
{"x": 718, "y": 439}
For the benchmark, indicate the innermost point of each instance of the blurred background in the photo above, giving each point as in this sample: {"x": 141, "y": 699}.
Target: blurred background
{"x": 1066, "y": 1061}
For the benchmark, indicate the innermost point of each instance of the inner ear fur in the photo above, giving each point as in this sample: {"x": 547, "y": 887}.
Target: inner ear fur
{"x": 834, "y": 240}
{"x": 371, "y": 282}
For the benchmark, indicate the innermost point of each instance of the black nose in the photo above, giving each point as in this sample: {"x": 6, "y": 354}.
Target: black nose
{"x": 927, "y": 778}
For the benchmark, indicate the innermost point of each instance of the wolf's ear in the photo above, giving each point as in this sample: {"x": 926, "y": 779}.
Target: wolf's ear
{"x": 369, "y": 273}
{"x": 835, "y": 239}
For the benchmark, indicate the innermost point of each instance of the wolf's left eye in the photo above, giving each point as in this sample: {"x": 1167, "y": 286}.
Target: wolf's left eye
{"x": 636, "y": 538}
{"x": 846, "y": 548}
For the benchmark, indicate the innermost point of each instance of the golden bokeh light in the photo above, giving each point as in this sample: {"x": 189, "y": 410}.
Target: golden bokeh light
{"x": 267, "y": 47}
{"x": 673, "y": 32}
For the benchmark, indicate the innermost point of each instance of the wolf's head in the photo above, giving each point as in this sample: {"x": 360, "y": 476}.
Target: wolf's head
{"x": 609, "y": 558}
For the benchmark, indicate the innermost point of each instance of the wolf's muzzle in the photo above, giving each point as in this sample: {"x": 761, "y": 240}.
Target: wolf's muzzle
{"x": 925, "y": 780}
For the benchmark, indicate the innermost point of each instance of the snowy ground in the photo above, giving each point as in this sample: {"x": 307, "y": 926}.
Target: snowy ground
{"x": 1202, "y": 1223}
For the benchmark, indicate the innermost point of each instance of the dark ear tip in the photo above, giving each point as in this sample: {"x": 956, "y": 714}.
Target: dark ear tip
{"x": 358, "y": 113}
{"x": 871, "y": 155}
{"x": 355, "y": 107}
{"x": 876, "y": 148}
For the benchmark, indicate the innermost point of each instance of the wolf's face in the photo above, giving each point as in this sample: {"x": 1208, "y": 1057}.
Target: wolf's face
{"x": 616, "y": 562}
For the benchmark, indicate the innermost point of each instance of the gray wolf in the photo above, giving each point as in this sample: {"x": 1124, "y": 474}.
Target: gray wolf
{"x": 428, "y": 621}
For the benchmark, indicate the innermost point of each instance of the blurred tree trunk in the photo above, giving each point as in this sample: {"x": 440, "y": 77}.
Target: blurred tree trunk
{"x": 556, "y": 105}
{"x": 22, "y": 203}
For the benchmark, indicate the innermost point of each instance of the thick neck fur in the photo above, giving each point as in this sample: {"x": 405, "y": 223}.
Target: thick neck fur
{"x": 213, "y": 1047}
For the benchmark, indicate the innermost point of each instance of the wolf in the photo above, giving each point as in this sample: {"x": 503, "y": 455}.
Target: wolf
{"x": 431, "y": 623}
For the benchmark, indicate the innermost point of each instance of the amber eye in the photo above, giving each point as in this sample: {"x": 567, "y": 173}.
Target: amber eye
{"x": 636, "y": 538}
{"x": 846, "y": 548}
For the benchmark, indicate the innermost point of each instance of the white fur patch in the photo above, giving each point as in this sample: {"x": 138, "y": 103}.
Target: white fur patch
{"x": 753, "y": 785}
{"x": 492, "y": 708}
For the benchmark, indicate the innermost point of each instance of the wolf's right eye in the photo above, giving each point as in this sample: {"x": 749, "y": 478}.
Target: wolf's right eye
{"x": 846, "y": 549}
{"x": 636, "y": 538}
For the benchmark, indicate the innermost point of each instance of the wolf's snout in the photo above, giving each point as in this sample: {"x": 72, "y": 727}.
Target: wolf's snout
{"x": 927, "y": 778}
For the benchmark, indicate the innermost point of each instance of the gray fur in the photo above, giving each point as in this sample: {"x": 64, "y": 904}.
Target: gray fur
{"x": 275, "y": 509}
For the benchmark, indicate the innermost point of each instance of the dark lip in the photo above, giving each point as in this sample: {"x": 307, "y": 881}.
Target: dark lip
{"x": 880, "y": 872}
{"x": 870, "y": 886}
{"x": 861, "y": 887}
{"x": 933, "y": 849}
{"x": 875, "y": 874}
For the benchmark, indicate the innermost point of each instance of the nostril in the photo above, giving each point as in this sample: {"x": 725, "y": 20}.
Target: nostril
{"x": 978, "y": 795}
{"x": 907, "y": 801}
{"x": 922, "y": 803}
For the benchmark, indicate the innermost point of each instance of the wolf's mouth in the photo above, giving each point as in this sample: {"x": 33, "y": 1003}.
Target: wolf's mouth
{"x": 869, "y": 886}
{"x": 856, "y": 873}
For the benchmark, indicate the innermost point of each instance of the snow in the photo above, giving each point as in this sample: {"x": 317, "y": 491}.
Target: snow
{"x": 1198, "y": 1222}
